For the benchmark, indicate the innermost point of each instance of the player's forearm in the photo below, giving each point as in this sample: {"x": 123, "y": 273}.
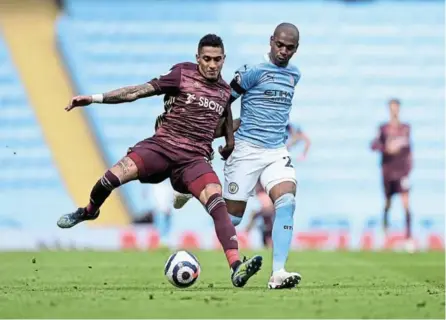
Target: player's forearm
{"x": 377, "y": 146}
{"x": 307, "y": 146}
{"x": 229, "y": 132}
{"x": 126, "y": 94}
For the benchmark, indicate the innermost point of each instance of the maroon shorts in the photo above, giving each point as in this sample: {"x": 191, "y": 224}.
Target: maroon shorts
{"x": 394, "y": 186}
{"x": 157, "y": 160}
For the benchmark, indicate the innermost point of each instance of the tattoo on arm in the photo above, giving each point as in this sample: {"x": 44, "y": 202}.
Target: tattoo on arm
{"x": 128, "y": 94}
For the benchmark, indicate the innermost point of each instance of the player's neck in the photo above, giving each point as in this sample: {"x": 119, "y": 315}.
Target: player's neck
{"x": 394, "y": 121}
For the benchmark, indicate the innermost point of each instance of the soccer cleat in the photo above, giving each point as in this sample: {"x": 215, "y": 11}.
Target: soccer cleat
{"x": 284, "y": 280}
{"x": 71, "y": 219}
{"x": 246, "y": 270}
{"x": 180, "y": 199}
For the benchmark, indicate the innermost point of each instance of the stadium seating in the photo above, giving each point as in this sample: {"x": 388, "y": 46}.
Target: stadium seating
{"x": 352, "y": 57}
{"x": 32, "y": 194}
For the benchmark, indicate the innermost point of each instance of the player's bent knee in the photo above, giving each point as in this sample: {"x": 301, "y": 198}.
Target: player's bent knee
{"x": 205, "y": 186}
{"x": 211, "y": 189}
{"x": 125, "y": 170}
{"x": 281, "y": 188}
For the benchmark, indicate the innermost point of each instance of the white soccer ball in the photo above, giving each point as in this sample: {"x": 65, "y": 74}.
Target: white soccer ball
{"x": 182, "y": 269}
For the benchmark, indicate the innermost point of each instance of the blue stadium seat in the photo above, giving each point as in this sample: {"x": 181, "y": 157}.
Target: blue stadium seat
{"x": 32, "y": 194}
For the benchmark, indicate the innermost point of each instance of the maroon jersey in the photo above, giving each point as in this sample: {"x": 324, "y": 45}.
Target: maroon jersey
{"x": 398, "y": 165}
{"x": 193, "y": 107}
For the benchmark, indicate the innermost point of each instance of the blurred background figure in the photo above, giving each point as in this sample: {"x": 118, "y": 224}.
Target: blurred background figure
{"x": 159, "y": 199}
{"x": 394, "y": 143}
{"x": 263, "y": 218}
{"x": 295, "y": 136}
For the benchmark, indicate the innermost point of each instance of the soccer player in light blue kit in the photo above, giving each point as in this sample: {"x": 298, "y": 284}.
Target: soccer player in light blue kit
{"x": 260, "y": 154}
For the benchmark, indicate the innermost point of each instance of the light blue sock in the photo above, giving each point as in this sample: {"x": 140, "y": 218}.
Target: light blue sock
{"x": 283, "y": 229}
{"x": 235, "y": 220}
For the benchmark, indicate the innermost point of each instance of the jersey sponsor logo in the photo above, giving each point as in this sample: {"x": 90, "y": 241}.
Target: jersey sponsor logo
{"x": 233, "y": 188}
{"x": 211, "y": 105}
{"x": 190, "y": 98}
{"x": 205, "y": 102}
{"x": 279, "y": 95}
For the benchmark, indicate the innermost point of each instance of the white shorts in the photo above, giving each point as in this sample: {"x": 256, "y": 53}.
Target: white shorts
{"x": 249, "y": 163}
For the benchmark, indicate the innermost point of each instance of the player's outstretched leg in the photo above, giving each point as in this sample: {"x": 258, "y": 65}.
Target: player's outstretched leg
{"x": 180, "y": 199}
{"x": 124, "y": 171}
{"x": 283, "y": 196}
{"x": 207, "y": 189}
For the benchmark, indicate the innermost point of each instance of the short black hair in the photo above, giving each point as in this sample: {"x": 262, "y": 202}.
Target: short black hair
{"x": 211, "y": 40}
{"x": 394, "y": 100}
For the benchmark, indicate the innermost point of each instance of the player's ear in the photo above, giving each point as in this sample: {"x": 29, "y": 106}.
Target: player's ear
{"x": 197, "y": 56}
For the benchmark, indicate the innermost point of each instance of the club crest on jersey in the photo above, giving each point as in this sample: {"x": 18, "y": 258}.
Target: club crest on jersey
{"x": 233, "y": 188}
{"x": 291, "y": 80}
{"x": 222, "y": 93}
{"x": 196, "y": 85}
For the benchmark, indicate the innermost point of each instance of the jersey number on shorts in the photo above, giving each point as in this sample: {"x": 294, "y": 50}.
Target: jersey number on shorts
{"x": 288, "y": 164}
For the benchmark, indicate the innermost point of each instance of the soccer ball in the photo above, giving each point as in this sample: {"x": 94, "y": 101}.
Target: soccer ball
{"x": 182, "y": 269}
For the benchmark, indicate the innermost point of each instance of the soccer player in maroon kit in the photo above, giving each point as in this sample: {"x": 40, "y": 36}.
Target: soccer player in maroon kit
{"x": 394, "y": 143}
{"x": 196, "y": 99}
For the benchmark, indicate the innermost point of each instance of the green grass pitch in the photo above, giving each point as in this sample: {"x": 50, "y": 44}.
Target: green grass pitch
{"x": 132, "y": 285}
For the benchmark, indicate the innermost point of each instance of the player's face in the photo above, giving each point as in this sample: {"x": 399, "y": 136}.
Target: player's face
{"x": 394, "y": 110}
{"x": 210, "y": 62}
{"x": 283, "y": 47}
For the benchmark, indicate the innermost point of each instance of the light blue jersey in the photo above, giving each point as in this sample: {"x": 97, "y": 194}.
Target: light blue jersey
{"x": 267, "y": 92}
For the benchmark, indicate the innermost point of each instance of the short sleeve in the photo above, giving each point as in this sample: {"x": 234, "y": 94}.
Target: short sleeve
{"x": 245, "y": 78}
{"x": 167, "y": 83}
{"x": 297, "y": 77}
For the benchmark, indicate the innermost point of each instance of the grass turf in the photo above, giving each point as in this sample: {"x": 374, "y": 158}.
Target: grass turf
{"x": 132, "y": 285}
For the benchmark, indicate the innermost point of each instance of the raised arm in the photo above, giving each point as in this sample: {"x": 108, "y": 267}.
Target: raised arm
{"x": 167, "y": 83}
{"x": 125, "y": 94}
{"x": 128, "y": 94}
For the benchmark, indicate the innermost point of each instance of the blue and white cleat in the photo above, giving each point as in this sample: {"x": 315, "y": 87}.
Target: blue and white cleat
{"x": 284, "y": 280}
{"x": 71, "y": 219}
{"x": 246, "y": 270}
